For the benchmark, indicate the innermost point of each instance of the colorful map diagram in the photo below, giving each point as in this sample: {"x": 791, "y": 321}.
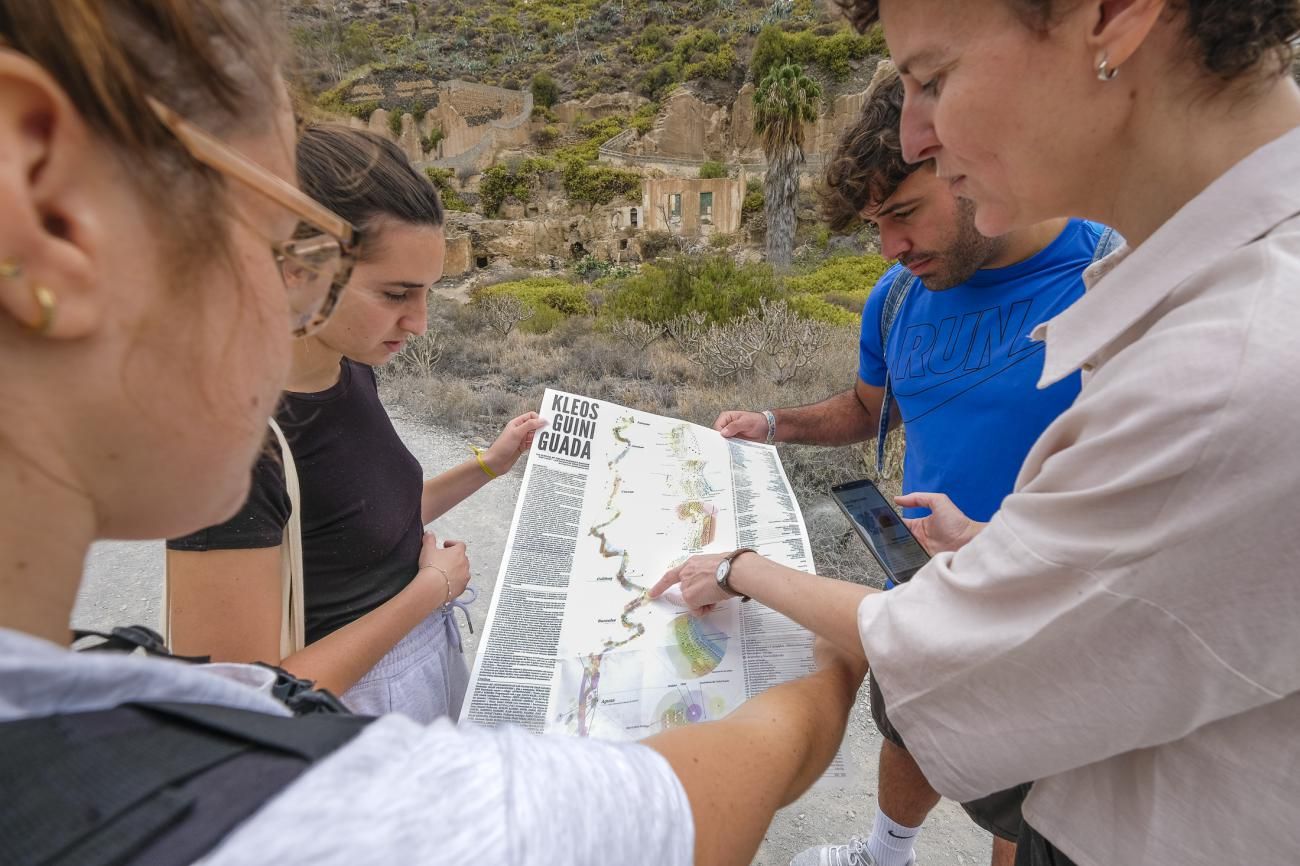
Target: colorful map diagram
{"x": 688, "y": 705}
{"x": 702, "y": 519}
{"x": 573, "y": 643}
{"x": 697, "y": 648}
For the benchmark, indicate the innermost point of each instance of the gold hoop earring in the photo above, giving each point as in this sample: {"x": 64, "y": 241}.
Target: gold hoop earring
{"x": 1106, "y": 72}
{"x": 49, "y": 305}
{"x": 10, "y": 268}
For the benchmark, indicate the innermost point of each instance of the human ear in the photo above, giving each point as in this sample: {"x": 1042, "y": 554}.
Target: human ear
{"x": 55, "y": 204}
{"x": 1121, "y": 27}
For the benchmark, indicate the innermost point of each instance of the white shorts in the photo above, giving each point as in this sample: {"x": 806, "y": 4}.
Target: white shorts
{"x": 424, "y": 677}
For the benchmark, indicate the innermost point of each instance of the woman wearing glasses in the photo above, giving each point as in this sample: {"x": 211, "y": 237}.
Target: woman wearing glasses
{"x": 144, "y": 346}
{"x": 379, "y": 592}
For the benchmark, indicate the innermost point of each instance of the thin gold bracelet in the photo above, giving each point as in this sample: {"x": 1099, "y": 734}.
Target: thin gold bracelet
{"x": 446, "y": 579}
{"x": 478, "y": 455}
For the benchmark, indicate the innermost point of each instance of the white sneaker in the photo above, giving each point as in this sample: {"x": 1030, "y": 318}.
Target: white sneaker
{"x": 852, "y": 854}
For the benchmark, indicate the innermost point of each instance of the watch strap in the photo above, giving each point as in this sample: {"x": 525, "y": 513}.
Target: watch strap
{"x": 725, "y": 581}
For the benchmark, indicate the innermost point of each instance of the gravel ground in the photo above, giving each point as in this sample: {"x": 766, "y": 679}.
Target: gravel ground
{"x": 123, "y": 585}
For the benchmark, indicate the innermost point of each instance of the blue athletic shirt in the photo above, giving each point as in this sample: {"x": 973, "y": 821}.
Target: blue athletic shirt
{"x": 965, "y": 373}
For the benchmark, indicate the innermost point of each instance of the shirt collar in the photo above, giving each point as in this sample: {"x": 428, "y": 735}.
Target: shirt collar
{"x": 1245, "y": 203}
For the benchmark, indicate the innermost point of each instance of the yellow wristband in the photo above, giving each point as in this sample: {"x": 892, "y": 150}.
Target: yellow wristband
{"x": 478, "y": 455}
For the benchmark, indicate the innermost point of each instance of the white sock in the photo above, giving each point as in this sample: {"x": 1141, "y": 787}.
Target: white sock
{"x": 890, "y": 843}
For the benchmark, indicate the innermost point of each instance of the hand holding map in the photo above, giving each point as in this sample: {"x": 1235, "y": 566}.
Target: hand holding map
{"x": 612, "y": 499}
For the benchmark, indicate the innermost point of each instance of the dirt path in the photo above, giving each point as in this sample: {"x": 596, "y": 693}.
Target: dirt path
{"x": 123, "y": 585}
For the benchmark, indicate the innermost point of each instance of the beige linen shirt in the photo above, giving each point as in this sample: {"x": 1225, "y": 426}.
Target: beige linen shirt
{"x": 1126, "y": 632}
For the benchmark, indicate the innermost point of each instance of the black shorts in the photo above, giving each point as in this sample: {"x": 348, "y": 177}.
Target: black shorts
{"x": 999, "y": 813}
{"x": 1033, "y": 849}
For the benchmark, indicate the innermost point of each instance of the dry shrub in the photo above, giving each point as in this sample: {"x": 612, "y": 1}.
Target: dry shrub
{"x": 772, "y": 338}
{"x": 483, "y": 381}
{"x": 498, "y": 406}
{"x": 636, "y": 334}
{"x": 502, "y": 313}
{"x": 468, "y": 356}
{"x": 526, "y": 359}
{"x": 665, "y": 364}
{"x": 600, "y": 358}
{"x": 837, "y": 549}
{"x": 443, "y": 402}
{"x": 568, "y": 331}
{"x": 455, "y": 317}
{"x": 418, "y": 358}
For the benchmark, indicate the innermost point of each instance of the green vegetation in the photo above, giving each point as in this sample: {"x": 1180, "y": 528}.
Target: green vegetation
{"x": 451, "y": 198}
{"x": 643, "y": 120}
{"x": 333, "y": 100}
{"x": 832, "y": 54}
{"x": 570, "y": 49}
{"x": 430, "y": 142}
{"x": 709, "y": 169}
{"x": 753, "y": 201}
{"x": 847, "y": 277}
{"x": 654, "y": 43}
{"x": 545, "y": 90}
{"x": 395, "y": 123}
{"x": 552, "y": 299}
{"x": 819, "y": 309}
{"x": 714, "y": 285}
{"x": 697, "y": 53}
{"x": 598, "y": 184}
{"x": 517, "y": 181}
{"x": 721, "y": 289}
{"x": 594, "y": 133}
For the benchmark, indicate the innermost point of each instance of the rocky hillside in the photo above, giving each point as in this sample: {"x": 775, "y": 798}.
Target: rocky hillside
{"x": 574, "y": 49}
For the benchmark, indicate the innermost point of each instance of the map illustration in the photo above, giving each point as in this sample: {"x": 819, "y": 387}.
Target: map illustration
{"x": 612, "y": 498}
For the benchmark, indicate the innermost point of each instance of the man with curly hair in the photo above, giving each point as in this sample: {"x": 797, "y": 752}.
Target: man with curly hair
{"x": 944, "y": 348}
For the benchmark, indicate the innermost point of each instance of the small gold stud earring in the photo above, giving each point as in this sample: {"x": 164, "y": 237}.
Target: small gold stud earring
{"x": 9, "y": 268}
{"x": 49, "y": 305}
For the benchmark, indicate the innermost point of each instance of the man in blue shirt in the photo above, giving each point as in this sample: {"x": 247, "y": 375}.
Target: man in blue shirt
{"x": 957, "y": 367}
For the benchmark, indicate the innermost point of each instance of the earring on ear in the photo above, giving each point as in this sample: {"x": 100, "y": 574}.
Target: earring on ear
{"x": 10, "y": 269}
{"x": 1106, "y": 72}
{"x": 49, "y": 305}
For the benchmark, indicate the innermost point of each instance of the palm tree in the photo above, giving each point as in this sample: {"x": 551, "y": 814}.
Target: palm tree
{"x": 784, "y": 101}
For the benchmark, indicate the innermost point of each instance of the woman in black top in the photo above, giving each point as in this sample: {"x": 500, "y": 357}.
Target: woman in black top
{"x": 378, "y": 590}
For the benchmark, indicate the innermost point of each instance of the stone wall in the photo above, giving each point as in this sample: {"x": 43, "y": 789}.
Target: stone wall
{"x": 548, "y": 238}
{"x": 598, "y": 106}
{"x": 476, "y": 120}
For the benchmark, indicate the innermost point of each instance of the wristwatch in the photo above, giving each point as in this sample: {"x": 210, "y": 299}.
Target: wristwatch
{"x": 770, "y": 417}
{"x": 723, "y": 574}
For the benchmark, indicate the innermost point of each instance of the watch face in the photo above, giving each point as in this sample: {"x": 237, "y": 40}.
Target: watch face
{"x": 721, "y": 574}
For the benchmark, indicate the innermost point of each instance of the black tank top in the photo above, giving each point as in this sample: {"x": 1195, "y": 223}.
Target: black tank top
{"x": 361, "y": 492}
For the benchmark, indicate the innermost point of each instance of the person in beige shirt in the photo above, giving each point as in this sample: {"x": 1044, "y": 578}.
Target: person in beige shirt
{"x": 1125, "y": 633}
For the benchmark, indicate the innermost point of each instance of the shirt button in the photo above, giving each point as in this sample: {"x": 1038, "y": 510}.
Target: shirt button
{"x": 1087, "y": 367}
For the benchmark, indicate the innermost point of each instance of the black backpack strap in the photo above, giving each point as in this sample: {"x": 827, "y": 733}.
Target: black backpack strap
{"x": 129, "y": 639}
{"x": 148, "y": 784}
{"x": 299, "y": 695}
